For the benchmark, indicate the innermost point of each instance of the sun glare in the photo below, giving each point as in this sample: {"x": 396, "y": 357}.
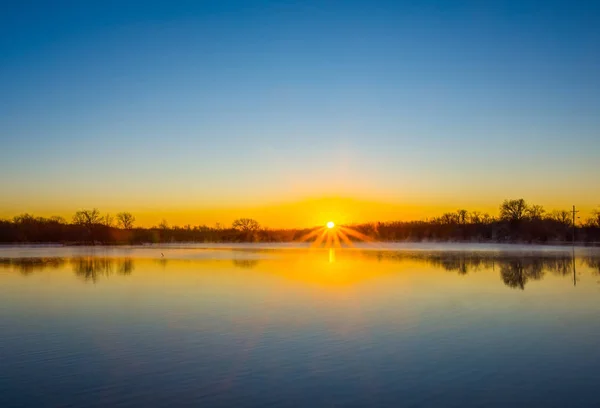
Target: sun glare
{"x": 334, "y": 236}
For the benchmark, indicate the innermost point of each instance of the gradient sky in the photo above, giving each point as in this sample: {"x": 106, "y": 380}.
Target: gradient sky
{"x": 296, "y": 112}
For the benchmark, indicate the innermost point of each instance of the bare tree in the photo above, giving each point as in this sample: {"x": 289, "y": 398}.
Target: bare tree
{"x": 449, "y": 218}
{"x": 108, "y": 220}
{"x": 486, "y": 218}
{"x": 58, "y": 219}
{"x": 125, "y": 220}
{"x": 563, "y": 216}
{"x": 246, "y": 225}
{"x": 475, "y": 217}
{"x": 594, "y": 220}
{"x": 202, "y": 228}
{"x": 23, "y": 218}
{"x": 513, "y": 210}
{"x": 463, "y": 216}
{"x": 164, "y": 225}
{"x": 535, "y": 212}
{"x": 87, "y": 217}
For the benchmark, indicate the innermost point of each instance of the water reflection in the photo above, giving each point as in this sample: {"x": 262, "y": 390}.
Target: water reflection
{"x": 516, "y": 272}
{"x": 88, "y": 268}
{"x": 27, "y": 266}
{"x": 125, "y": 267}
{"x": 93, "y": 268}
{"x": 245, "y": 263}
{"x": 162, "y": 262}
{"x": 593, "y": 263}
{"x": 515, "y": 269}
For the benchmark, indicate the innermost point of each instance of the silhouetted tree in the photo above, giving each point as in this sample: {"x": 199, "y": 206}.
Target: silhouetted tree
{"x": 535, "y": 212}
{"x": 475, "y": 217}
{"x": 125, "y": 220}
{"x": 594, "y": 220}
{"x": 108, "y": 220}
{"x": 23, "y": 218}
{"x": 247, "y": 228}
{"x": 462, "y": 216}
{"x": 513, "y": 210}
{"x": 245, "y": 225}
{"x": 58, "y": 219}
{"x": 562, "y": 216}
{"x": 449, "y": 218}
{"x": 87, "y": 218}
{"x": 487, "y": 218}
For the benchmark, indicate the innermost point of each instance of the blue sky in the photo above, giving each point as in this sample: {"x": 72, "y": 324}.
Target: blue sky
{"x": 220, "y": 103}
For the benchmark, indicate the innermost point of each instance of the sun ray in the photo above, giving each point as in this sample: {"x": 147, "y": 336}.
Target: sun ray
{"x": 329, "y": 239}
{"x": 331, "y": 235}
{"x": 356, "y": 234}
{"x": 336, "y": 240}
{"x": 345, "y": 238}
{"x": 311, "y": 234}
{"x": 319, "y": 240}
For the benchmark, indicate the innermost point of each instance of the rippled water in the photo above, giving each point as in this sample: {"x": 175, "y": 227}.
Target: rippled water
{"x": 412, "y": 325}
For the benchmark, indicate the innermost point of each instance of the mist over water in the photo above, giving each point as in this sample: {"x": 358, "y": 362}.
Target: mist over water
{"x": 287, "y": 325}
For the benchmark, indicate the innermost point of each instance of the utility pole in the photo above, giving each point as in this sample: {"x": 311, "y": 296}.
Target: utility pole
{"x": 574, "y": 213}
{"x": 574, "y": 273}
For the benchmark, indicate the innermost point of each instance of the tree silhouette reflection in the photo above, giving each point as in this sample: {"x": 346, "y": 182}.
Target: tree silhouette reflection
{"x": 92, "y": 268}
{"x": 28, "y": 266}
{"x": 516, "y": 272}
{"x": 125, "y": 266}
{"x": 245, "y": 263}
{"x": 516, "y": 269}
{"x": 593, "y": 263}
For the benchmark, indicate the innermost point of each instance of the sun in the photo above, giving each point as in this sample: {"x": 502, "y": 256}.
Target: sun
{"x": 334, "y": 236}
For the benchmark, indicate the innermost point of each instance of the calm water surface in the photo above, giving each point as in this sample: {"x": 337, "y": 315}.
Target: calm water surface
{"x": 254, "y": 326}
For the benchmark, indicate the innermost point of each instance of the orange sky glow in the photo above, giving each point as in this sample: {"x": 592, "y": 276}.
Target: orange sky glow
{"x": 287, "y": 214}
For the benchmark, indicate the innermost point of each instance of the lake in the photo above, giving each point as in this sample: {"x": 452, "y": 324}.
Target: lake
{"x": 260, "y": 325}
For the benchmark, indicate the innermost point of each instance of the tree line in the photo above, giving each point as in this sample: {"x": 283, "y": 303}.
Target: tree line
{"x": 517, "y": 221}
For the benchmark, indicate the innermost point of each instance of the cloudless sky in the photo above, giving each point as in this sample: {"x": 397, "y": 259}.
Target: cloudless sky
{"x": 201, "y": 111}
